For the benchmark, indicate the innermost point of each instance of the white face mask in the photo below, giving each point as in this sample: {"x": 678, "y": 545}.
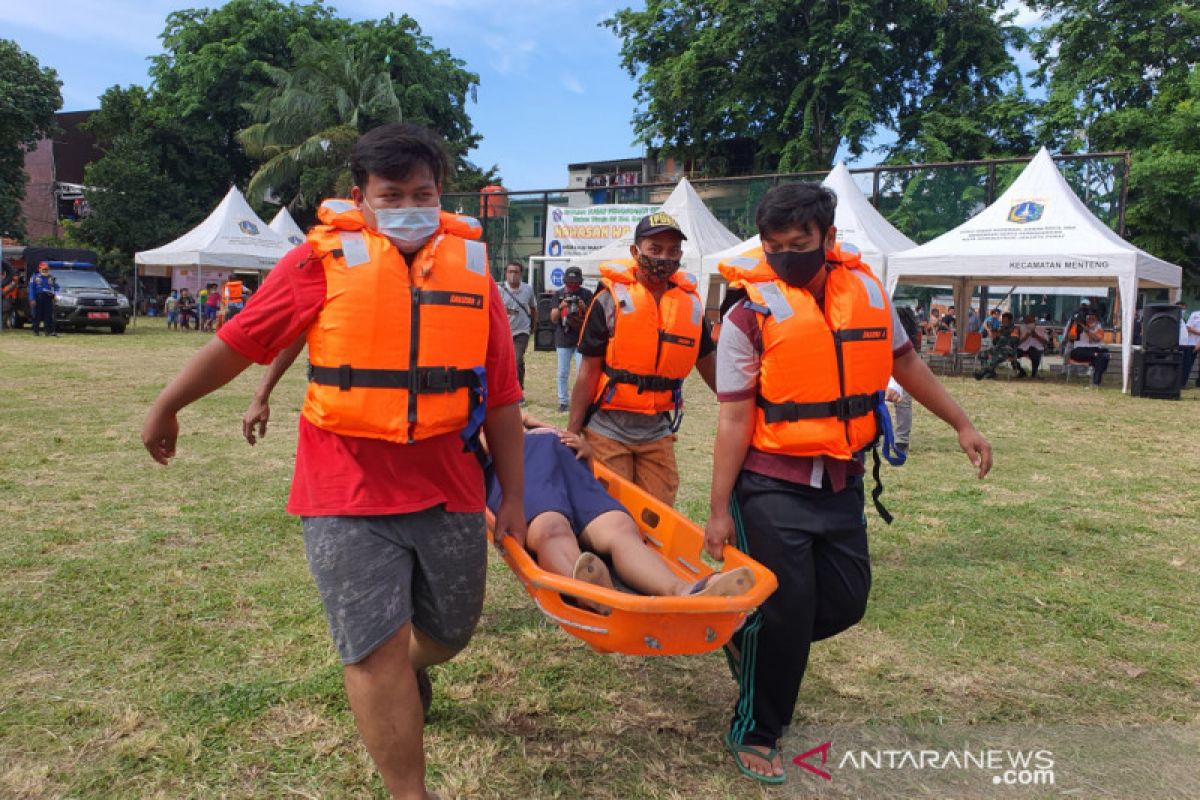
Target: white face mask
{"x": 408, "y": 228}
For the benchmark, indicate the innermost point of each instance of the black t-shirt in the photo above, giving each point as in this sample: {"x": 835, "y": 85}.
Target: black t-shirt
{"x": 566, "y": 331}
{"x": 596, "y": 333}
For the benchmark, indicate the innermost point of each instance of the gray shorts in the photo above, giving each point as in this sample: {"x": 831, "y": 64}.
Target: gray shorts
{"x": 375, "y": 574}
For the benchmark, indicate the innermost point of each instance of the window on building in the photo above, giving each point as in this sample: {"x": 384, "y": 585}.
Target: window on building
{"x": 537, "y": 226}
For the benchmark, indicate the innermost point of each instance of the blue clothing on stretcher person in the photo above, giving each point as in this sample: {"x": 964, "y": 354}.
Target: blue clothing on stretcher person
{"x": 572, "y": 519}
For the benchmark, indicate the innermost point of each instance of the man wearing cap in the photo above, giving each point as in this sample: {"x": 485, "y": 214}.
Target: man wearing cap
{"x": 645, "y": 331}
{"x": 570, "y": 304}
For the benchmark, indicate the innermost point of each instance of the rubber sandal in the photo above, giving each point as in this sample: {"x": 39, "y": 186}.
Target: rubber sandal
{"x": 590, "y": 568}
{"x": 724, "y": 584}
{"x": 736, "y": 750}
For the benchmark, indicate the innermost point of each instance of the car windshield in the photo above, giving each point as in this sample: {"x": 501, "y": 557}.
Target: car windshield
{"x": 79, "y": 279}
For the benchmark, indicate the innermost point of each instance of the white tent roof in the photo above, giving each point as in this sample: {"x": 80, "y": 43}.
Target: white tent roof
{"x": 1037, "y": 233}
{"x": 857, "y": 223}
{"x": 232, "y": 237}
{"x": 704, "y": 235}
{"x": 285, "y": 226}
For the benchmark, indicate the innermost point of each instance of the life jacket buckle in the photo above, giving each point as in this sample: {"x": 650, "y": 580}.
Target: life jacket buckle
{"x": 854, "y": 406}
{"x": 436, "y": 379}
{"x": 344, "y": 378}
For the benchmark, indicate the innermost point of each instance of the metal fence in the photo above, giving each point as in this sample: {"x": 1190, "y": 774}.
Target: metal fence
{"x": 922, "y": 200}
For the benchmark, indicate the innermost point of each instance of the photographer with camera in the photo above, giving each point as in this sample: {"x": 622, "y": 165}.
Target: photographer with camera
{"x": 570, "y": 305}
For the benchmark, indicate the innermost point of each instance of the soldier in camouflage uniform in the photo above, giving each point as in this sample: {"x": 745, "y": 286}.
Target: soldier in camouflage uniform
{"x": 1004, "y": 348}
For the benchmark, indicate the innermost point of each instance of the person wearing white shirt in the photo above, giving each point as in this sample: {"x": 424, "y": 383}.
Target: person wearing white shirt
{"x": 1189, "y": 343}
{"x": 1032, "y": 342}
{"x": 1089, "y": 348}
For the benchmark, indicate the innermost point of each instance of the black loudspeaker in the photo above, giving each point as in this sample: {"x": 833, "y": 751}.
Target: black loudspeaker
{"x": 543, "y": 337}
{"x": 1156, "y": 374}
{"x": 1160, "y": 327}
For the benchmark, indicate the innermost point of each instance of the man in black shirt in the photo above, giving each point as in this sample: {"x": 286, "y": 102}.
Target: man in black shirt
{"x": 570, "y": 304}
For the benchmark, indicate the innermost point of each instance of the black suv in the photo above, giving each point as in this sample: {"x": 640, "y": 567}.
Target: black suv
{"x": 85, "y": 300}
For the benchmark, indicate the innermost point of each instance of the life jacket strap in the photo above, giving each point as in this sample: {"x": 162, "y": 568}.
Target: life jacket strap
{"x": 843, "y": 408}
{"x": 644, "y": 383}
{"x": 429, "y": 380}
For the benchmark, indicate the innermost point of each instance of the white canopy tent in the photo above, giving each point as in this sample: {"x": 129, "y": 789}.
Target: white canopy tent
{"x": 1038, "y": 233}
{"x": 231, "y": 238}
{"x": 705, "y": 234}
{"x": 857, "y": 223}
{"x": 283, "y": 224}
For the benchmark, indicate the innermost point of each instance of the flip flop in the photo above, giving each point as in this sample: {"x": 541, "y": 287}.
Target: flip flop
{"x": 737, "y": 750}
{"x": 590, "y": 568}
{"x": 724, "y": 584}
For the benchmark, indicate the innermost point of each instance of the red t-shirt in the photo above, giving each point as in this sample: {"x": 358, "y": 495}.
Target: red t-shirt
{"x": 354, "y": 476}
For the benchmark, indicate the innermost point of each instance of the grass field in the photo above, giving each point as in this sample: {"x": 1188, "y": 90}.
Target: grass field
{"x": 161, "y": 636}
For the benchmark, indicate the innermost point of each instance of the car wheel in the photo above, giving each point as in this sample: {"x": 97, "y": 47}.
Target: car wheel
{"x": 118, "y": 328}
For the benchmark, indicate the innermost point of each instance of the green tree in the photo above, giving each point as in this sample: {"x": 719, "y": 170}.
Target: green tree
{"x": 158, "y": 176}
{"x": 29, "y": 96}
{"x": 1121, "y": 75}
{"x": 215, "y": 61}
{"x": 801, "y": 79}
{"x": 180, "y": 135}
{"x": 309, "y": 120}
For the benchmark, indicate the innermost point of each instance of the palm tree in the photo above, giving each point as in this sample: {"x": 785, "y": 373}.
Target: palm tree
{"x": 307, "y": 122}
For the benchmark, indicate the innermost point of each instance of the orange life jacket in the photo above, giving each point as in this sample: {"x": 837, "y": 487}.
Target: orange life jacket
{"x": 233, "y": 291}
{"x": 653, "y": 345}
{"x": 823, "y": 371}
{"x": 397, "y": 353}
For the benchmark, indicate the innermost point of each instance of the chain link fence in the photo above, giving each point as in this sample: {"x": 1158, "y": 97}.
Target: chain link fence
{"x": 922, "y": 200}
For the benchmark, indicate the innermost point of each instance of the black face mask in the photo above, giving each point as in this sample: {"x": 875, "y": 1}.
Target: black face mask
{"x": 660, "y": 268}
{"x": 797, "y": 269}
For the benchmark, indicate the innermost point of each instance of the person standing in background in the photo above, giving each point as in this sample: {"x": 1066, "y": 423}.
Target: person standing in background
{"x": 42, "y": 288}
{"x": 570, "y": 304}
{"x": 1189, "y": 343}
{"x": 521, "y": 306}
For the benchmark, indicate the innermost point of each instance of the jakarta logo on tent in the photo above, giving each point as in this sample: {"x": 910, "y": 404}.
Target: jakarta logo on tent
{"x": 1026, "y": 211}
{"x": 247, "y": 227}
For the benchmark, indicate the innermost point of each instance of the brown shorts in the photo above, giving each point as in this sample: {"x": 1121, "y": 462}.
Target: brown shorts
{"x": 650, "y": 465}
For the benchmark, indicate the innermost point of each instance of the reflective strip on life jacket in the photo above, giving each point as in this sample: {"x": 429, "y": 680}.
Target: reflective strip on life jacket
{"x": 382, "y": 318}
{"x": 823, "y": 368}
{"x": 653, "y": 346}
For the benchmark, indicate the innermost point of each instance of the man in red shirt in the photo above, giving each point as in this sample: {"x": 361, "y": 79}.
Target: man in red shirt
{"x": 386, "y": 481}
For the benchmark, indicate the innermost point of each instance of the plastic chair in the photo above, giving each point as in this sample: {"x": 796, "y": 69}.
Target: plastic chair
{"x": 641, "y": 625}
{"x": 970, "y": 351}
{"x": 942, "y": 349}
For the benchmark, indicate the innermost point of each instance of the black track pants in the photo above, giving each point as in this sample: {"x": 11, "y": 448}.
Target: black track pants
{"x": 815, "y": 541}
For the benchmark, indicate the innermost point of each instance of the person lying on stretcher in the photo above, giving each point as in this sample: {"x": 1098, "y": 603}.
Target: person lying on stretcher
{"x": 573, "y": 520}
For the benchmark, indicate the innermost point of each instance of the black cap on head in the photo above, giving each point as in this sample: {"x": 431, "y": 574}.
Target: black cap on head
{"x": 573, "y": 275}
{"x": 658, "y": 222}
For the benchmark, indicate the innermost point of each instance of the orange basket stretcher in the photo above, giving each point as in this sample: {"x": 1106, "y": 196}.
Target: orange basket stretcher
{"x": 638, "y": 624}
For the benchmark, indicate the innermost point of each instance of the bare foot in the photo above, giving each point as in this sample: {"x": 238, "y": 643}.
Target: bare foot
{"x": 725, "y": 584}
{"x": 590, "y": 568}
